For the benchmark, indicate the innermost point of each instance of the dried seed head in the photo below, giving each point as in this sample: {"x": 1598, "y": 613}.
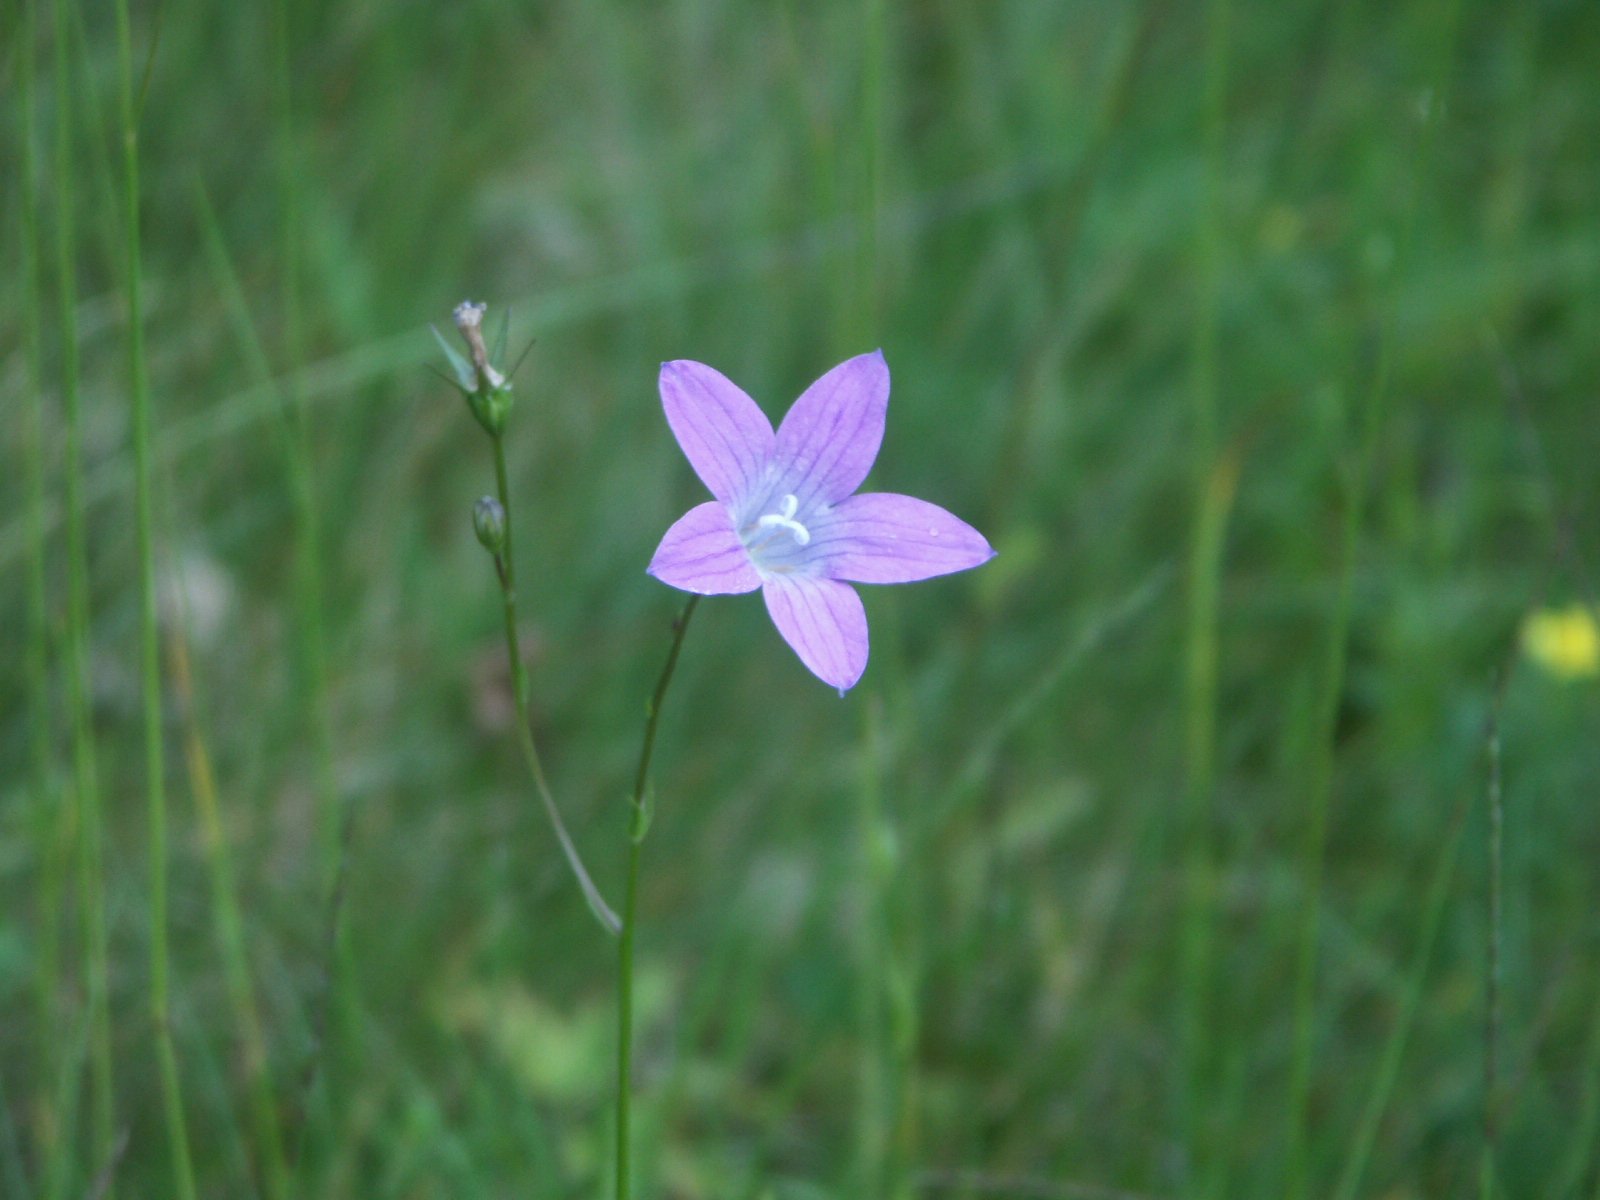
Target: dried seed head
{"x": 469, "y": 320}
{"x": 486, "y": 391}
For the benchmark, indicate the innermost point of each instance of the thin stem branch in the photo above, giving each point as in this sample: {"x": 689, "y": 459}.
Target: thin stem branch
{"x": 506, "y": 569}
{"x": 878, "y": 1097}
{"x": 638, "y": 824}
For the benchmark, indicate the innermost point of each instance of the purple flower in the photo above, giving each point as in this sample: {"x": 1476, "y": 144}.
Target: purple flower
{"x": 785, "y": 520}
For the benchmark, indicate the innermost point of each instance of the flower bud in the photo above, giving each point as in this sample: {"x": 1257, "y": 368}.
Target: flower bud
{"x": 491, "y": 407}
{"x": 489, "y": 523}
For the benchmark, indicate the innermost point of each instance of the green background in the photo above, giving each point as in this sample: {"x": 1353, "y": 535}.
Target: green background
{"x": 1260, "y": 339}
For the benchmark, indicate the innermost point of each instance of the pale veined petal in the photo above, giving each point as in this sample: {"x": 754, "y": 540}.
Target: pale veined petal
{"x": 725, "y": 436}
{"x": 882, "y": 537}
{"x": 702, "y": 553}
{"x": 824, "y": 623}
{"x": 830, "y": 438}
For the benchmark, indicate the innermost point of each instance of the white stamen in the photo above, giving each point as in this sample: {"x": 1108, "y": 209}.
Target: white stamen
{"x": 784, "y": 519}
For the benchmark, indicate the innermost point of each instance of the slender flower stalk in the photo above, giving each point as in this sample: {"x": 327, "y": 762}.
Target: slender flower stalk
{"x": 149, "y": 642}
{"x": 519, "y": 686}
{"x": 876, "y": 954}
{"x": 488, "y": 394}
{"x": 640, "y": 810}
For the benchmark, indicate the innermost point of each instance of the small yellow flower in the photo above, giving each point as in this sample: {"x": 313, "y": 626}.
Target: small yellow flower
{"x": 1565, "y": 642}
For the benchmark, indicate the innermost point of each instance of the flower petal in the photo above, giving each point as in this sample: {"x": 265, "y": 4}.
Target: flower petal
{"x": 882, "y": 537}
{"x": 702, "y": 553}
{"x": 827, "y": 443}
{"x": 823, "y": 622}
{"x": 725, "y": 436}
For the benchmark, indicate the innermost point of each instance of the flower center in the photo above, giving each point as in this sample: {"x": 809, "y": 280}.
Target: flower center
{"x": 784, "y": 519}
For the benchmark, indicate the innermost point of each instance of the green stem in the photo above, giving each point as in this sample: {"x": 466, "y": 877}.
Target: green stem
{"x": 506, "y": 569}
{"x": 48, "y": 811}
{"x": 1319, "y": 802}
{"x": 150, "y": 638}
{"x": 1214, "y": 481}
{"x": 638, "y": 825}
{"x": 877, "y": 1096}
{"x": 86, "y": 784}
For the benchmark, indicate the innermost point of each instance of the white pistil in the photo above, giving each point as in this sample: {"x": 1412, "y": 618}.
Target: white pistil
{"x": 784, "y": 519}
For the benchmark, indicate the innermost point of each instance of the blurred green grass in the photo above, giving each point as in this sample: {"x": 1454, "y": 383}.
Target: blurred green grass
{"x": 928, "y": 940}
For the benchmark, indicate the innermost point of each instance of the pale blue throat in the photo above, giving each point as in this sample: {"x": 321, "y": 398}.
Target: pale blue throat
{"x": 775, "y": 541}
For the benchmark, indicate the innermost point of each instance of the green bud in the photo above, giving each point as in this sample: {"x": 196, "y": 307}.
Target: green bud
{"x": 489, "y": 523}
{"x": 491, "y": 405}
